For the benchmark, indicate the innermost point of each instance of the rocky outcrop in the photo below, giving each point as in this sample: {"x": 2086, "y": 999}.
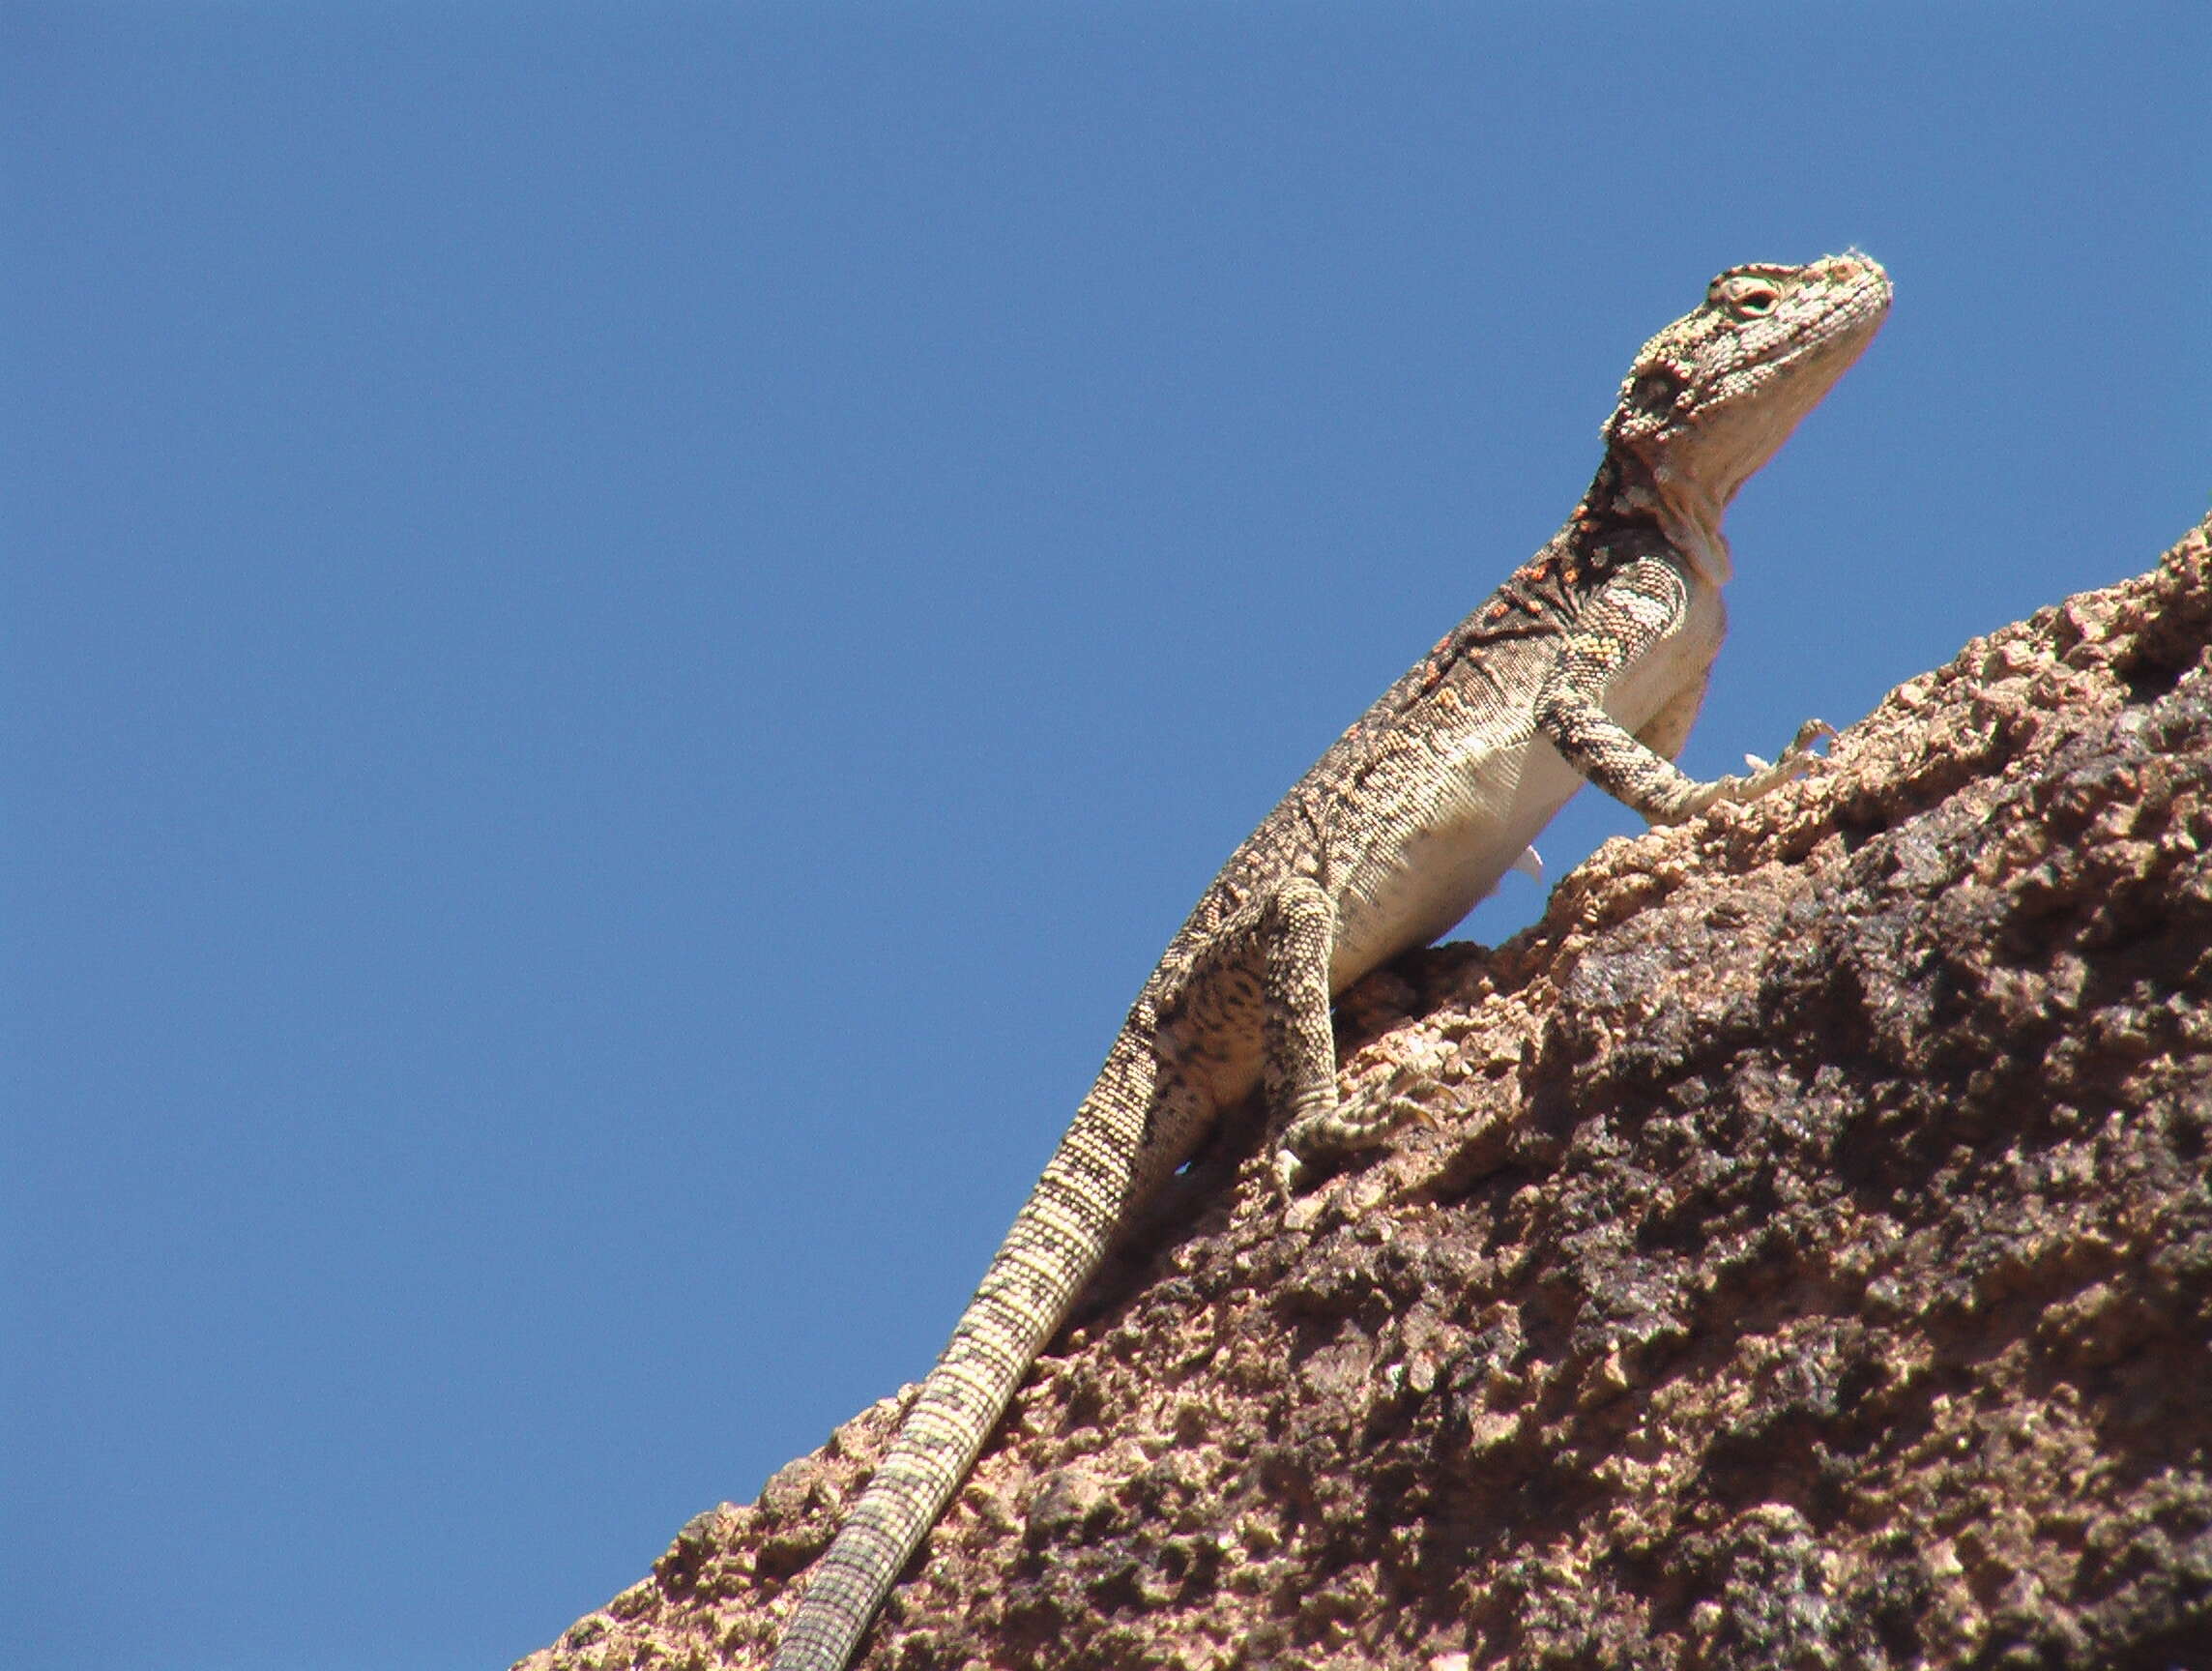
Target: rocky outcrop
{"x": 1806, "y": 1261}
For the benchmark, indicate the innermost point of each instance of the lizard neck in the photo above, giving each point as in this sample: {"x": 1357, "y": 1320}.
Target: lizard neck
{"x": 1628, "y": 494}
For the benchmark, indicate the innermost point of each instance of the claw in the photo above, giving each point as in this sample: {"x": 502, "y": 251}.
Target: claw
{"x": 1811, "y": 732}
{"x": 1409, "y": 1109}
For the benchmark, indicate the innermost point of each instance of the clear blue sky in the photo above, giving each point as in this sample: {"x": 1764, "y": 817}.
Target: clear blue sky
{"x": 625, "y": 627}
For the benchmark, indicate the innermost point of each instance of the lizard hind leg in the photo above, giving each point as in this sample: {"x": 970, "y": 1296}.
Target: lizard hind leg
{"x": 1298, "y": 1070}
{"x": 1262, "y": 977}
{"x": 1294, "y": 929}
{"x": 1298, "y": 1063}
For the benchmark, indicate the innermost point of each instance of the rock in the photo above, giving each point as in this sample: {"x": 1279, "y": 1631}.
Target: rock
{"x": 1809, "y": 1262}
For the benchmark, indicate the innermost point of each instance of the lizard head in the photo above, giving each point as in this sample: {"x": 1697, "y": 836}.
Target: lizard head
{"x": 1713, "y": 396}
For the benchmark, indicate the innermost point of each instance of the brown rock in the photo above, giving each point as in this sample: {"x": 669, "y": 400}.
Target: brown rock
{"x": 1810, "y": 1264}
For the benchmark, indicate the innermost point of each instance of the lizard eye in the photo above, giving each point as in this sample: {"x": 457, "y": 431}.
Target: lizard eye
{"x": 1746, "y": 294}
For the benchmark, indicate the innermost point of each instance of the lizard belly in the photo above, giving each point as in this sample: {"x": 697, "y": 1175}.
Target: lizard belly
{"x": 1507, "y": 784}
{"x": 1415, "y": 885}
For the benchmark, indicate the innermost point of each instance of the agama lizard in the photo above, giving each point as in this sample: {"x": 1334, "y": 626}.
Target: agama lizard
{"x": 1590, "y": 663}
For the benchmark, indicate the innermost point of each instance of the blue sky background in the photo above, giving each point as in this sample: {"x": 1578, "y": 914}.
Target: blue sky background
{"x": 624, "y": 629}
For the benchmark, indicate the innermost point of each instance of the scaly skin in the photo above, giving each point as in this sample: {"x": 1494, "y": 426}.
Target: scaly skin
{"x": 1589, "y": 663}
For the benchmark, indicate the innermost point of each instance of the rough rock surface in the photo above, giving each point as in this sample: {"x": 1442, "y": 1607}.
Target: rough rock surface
{"x": 1808, "y": 1263}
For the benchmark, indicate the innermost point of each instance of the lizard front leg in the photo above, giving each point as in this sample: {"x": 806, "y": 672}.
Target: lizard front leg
{"x": 1626, "y": 622}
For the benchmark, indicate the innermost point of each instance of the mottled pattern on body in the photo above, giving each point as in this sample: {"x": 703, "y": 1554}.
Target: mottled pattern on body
{"x": 1589, "y": 663}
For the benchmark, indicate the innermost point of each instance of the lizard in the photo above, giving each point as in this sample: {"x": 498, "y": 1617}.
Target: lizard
{"x": 1589, "y": 663}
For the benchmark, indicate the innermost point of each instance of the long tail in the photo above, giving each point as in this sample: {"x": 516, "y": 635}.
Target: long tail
{"x": 1057, "y": 1242}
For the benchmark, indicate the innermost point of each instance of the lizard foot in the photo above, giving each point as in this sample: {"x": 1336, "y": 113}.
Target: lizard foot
{"x": 1312, "y": 1140}
{"x": 1799, "y": 759}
